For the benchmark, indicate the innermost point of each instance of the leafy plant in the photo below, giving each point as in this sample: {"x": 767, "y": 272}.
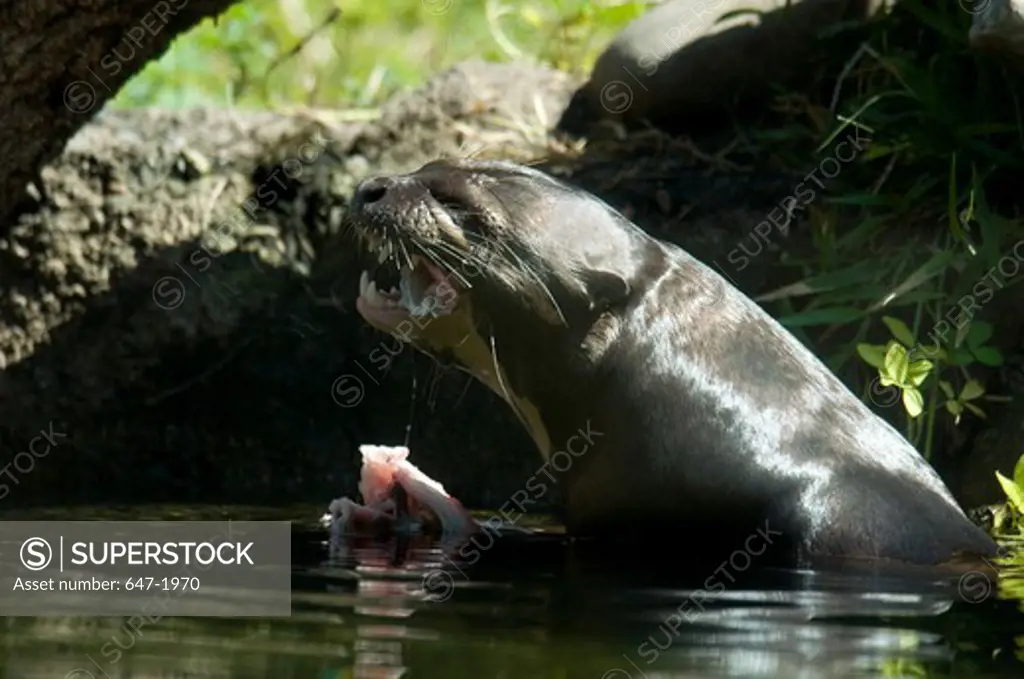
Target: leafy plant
{"x": 357, "y": 53}
{"x": 1011, "y": 514}
{"x": 1014, "y": 488}
{"x": 907, "y": 365}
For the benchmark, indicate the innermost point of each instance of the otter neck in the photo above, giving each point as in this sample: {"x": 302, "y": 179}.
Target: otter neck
{"x": 534, "y": 375}
{"x": 478, "y": 354}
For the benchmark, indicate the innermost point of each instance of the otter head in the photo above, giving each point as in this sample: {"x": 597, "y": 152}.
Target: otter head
{"x": 495, "y": 265}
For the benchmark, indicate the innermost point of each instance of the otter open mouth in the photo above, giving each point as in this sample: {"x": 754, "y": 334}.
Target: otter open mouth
{"x": 402, "y": 286}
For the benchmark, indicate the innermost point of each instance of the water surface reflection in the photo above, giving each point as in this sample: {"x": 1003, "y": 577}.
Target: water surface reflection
{"x": 543, "y": 608}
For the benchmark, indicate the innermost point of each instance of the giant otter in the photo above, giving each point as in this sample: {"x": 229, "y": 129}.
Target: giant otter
{"x": 707, "y": 414}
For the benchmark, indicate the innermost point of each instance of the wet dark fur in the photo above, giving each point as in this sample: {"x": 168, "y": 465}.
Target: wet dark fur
{"x": 714, "y": 419}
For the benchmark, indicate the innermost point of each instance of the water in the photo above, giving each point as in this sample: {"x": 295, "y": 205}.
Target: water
{"x": 540, "y": 607}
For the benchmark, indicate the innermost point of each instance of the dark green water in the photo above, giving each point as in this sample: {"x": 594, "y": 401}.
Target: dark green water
{"x": 540, "y": 607}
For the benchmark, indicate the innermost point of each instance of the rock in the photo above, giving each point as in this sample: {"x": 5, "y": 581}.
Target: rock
{"x": 678, "y": 63}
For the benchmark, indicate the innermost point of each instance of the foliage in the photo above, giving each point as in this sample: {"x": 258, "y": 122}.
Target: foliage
{"x": 355, "y": 53}
{"x": 912, "y": 229}
{"x": 1011, "y": 516}
{"x": 915, "y": 368}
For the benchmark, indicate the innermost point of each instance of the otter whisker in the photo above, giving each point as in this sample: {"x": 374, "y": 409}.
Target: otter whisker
{"x": 445, "y": 265}
{"x": 529, "y": 271}
{"x": 405, "y": 252}
{"x": 501, "y": 383}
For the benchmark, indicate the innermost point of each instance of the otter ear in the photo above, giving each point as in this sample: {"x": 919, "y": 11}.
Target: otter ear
{"x": 605, "y": 289}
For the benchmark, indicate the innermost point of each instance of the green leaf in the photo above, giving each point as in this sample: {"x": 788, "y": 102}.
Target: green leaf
{"x": 822, "y": 317}
{"x": 976, "y": 410}
{"x": 955, "y": 408}
{"x": 979, "y": 333}
{"x": 971, "y": 390}
{"x": 1001, "y": 518}
{"x": 918, "y": 371}
{"x": 862, "y": 199}
{"x": 913, "y": 401}
{"x": 873, "y": 354}
{"x": 933, "y": 267}
{"x": 1014, "y": 493}
{"x": 961, "y": 357}
{"x": 895, "y": 365}
{"x": 1018, "y": 472}
{"x": 899, "y": 330}
{"x": 961, "y": 333}
{"x": 988, "y": 356}
{"x": 947, "y": 388}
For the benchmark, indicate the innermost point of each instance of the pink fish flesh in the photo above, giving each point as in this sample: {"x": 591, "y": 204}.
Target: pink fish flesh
{"x": 393, "y": 491}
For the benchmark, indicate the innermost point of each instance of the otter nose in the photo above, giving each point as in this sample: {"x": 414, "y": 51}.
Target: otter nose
{"x": 371, "y": 191}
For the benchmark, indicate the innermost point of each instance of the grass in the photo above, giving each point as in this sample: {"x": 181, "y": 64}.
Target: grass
{"x": 356, "y": 53}
{"x": 898, "y": 280}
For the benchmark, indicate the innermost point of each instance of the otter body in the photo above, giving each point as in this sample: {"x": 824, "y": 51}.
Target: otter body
{"x": 705, "y": 413}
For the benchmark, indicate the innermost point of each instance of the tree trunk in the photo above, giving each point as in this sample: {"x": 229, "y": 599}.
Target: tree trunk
{"x": 61, "y": 60}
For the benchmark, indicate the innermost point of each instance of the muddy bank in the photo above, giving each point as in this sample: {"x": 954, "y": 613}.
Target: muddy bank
{"x": 177, "y": 320}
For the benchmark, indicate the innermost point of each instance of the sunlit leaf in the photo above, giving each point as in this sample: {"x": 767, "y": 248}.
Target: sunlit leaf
{"x": 918, "y": 371}
{"x": 895, "y": 365}
{"x": 1014, "y": 492}
{"x": 1018, "y": 472}
{"x": 913, "y": 401}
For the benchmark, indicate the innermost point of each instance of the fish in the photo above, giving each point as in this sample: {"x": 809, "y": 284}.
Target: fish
{"x": 398, "y": 497}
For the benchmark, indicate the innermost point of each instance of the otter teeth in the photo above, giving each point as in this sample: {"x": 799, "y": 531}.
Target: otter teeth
{"x": 368, "y": 290}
